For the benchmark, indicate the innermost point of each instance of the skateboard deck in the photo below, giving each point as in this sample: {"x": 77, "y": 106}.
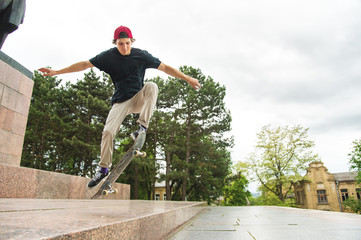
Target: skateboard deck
{"x": 134, "y": 151}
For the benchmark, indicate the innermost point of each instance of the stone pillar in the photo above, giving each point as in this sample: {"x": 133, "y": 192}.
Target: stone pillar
{"x": 16, "y": 88}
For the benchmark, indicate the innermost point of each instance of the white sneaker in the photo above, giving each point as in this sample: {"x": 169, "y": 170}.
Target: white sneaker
{"x": 135, "y": 134}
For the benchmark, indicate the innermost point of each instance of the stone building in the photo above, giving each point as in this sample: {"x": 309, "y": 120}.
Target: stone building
{"x": 323, "y": 190}
{"x": 160, "y": 191}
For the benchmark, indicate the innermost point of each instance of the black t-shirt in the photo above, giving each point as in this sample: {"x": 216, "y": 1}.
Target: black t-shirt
{"x": 127, "y": 72}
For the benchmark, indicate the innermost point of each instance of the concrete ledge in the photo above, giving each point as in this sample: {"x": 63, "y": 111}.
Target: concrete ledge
{"x": 15, "y": 64}
{"x": 93, "y": 219}
{"x": 21, "y": 182}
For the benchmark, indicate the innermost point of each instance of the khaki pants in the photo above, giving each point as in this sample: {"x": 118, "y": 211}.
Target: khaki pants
{"x": 143, "y": 102}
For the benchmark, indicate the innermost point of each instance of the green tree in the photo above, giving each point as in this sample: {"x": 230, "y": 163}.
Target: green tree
{"x": 280, "y": 158}
{"x": 87, "y": 106}
{"x": 208, "y": 171}
{"x": 39, "y": 147}
{"x": 166, "y": 127}
{"x": 190, "y": 127}
{"x": 355, "y": 164}
{"x": 235, "y": 192}
{"x": 204, "y": 114}
{"x": 355, "y": 159}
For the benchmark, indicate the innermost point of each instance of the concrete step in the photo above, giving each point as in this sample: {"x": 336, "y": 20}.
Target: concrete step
{"x": 21, "y": 182}
{"x": 93, "y": 219}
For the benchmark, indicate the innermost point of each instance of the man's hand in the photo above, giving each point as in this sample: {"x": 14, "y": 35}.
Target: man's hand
{"x": 48, "y": 72}
{"x": 194, "y": 83}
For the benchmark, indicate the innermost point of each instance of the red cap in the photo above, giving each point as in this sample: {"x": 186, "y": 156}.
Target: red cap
{"x": 128, "y": 33}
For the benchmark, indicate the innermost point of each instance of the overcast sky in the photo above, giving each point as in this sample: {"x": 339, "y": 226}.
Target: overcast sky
{"x": 283, "y": 62}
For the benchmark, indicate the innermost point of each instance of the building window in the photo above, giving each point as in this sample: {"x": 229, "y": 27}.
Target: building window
{"x": 358, "y": 193}
{"x": 300, "y": 197}
{"x": 157, "y": 196}
{"x": 321, "y": 196}
{"x": 164, "y": 196}
{"x": 344, "y": 194}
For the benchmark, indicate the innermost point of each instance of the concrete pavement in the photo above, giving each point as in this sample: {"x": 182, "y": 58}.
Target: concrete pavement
{"x": 271, "y": 223}
{"x": 93, "y": 219}
{"x": 125, "y": 219}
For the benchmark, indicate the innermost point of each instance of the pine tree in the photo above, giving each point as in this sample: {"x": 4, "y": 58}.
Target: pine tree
{"x": 87, "y": 105}
{"x": 39, "y": 145}
{"x": 190, "y": 123}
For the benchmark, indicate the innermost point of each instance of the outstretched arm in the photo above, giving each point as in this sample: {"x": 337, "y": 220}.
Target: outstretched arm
{"x": 178, "y": 74}
{"x": 77, "y": 67}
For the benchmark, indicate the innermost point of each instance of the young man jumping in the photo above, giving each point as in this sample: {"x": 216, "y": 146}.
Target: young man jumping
{"x": 126, "y": 66}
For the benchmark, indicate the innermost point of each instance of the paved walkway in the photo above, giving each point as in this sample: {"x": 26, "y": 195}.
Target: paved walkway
{"x": 92, "y": 219}
{"x": 271, "y": 223}
{"x": 107, "y": 219}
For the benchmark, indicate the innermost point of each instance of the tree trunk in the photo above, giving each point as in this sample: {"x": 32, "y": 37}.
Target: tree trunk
{"x": 151, "y": 196}
{"x": 135, "y": 195}
{"x": 188, "y": 149}
{"x": 167, "y": 170}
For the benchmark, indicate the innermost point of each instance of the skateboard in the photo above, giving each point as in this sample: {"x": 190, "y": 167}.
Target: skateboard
{"x": 134, "y": 151}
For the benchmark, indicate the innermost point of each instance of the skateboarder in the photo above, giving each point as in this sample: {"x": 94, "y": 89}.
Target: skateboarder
{"x": 126, "y": 66}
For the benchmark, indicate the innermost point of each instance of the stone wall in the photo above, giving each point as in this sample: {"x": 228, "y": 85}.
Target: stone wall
{"x": 20, "y": 182}
{"x": 16, "y": 89}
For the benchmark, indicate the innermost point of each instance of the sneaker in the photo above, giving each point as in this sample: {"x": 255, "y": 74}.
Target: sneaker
{"x": 97, "y": 178}
{"x": 135, "y": 134}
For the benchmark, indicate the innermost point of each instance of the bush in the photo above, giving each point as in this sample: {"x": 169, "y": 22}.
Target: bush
{"x": 353, "y": 205}
{"x": 270, "y": 199}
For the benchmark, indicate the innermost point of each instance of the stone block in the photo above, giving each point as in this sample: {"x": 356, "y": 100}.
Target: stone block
{"x": 3, "y": 71}
{"x": 26, "y": 87}
{"x": 52, "y": 185}
{"x": 15, "y": 101}
{"x": 13, "y": 122}
{"x": 77, "y": 187}
{"x": 9, "y": 159}
{"x": 15, "y": 79}
{"x": 22, "y": 105}
{"x": 5, "y": 141}
{"x": 21, "y": 182}
{"x": 6, "y": 119}
{"x": 19, "y": 124}
{"x": 9, "y": 98}
{"x": 11, "y": 146}
{"x": 16, "y": 182}
{"x": 1, "y": 90}
{"x": 6, "y": 76}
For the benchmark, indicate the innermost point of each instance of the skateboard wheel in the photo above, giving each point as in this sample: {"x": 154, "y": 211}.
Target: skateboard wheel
{"x": 138, "y": 153}
{"x": 105, "y": 193}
